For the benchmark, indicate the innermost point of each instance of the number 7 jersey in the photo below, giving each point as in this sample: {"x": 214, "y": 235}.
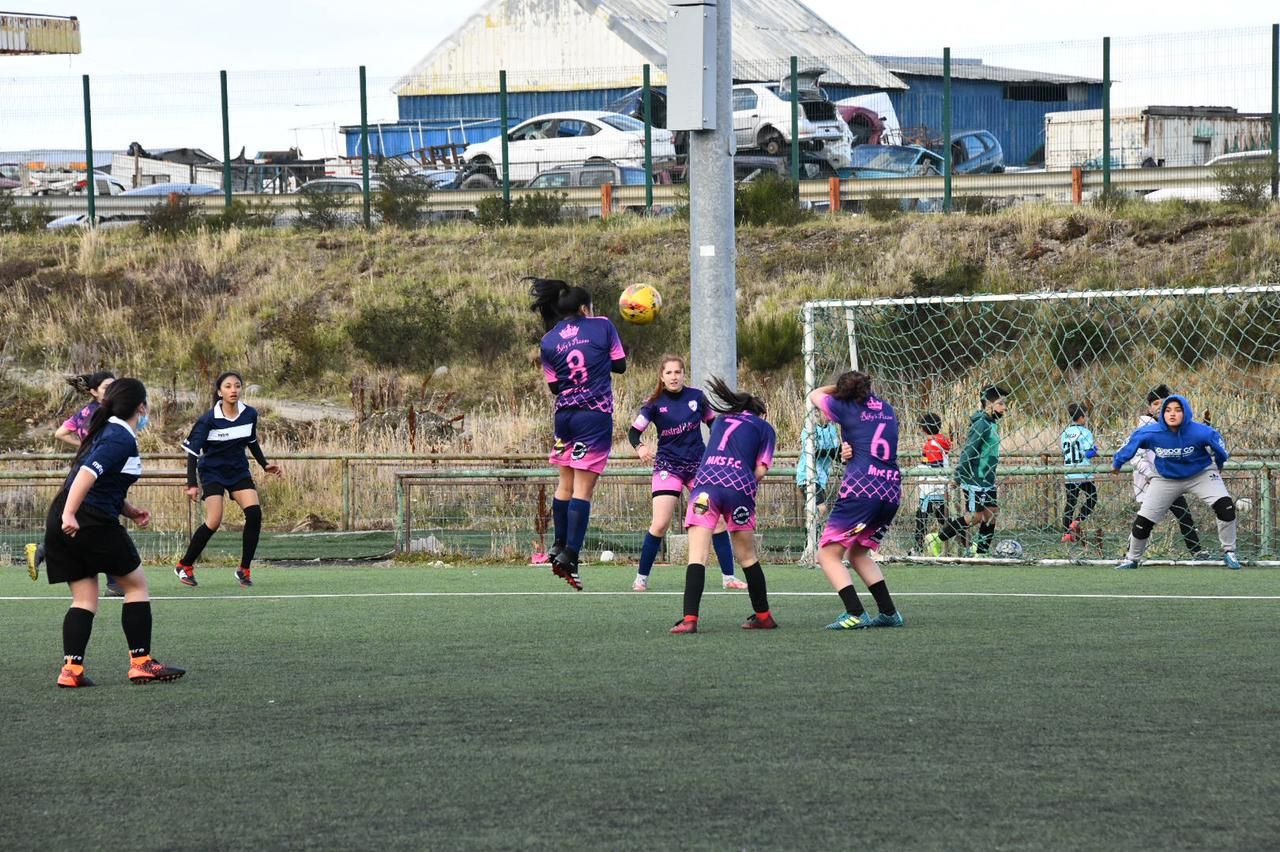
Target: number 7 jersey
{"x": 737, "y": 444}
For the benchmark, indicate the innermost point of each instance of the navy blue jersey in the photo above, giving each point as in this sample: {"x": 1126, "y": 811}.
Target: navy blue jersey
{"x": 114, "y": 461}
{"x": 871, "y": 428}
{"x": 738, "y": 443}
{"x": 219, "y": 444}
{"x": 678, "y": 418}
{"x": 579, "y": 352}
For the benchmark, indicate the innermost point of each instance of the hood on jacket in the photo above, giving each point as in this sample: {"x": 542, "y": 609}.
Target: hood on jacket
{"x": 1186, "y": 410}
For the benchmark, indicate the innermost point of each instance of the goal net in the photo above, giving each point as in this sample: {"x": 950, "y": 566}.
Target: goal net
{"x": 1218, "y": 346}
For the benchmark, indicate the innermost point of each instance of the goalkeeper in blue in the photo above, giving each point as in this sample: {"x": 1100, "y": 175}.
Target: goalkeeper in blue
{"x": 1079, "y": 449}
{"x": 1188, "y": 459}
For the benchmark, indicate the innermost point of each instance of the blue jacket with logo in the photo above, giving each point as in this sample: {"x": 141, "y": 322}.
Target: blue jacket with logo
{"x": 1179, "y": 453}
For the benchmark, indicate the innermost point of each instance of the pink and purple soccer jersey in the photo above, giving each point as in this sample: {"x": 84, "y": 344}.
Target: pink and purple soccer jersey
{"x": 78, "y": 423}
{"x": 872, "y": 485}
{"x": 678, "y": 419}
{"x": 725, "y": 484}
{"x": 579, "y": 353}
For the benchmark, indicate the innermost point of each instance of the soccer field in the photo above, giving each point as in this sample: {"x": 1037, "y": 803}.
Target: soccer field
{"x": 397, "y": 707}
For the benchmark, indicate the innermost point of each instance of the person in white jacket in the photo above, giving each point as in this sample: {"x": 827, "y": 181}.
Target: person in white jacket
{"x": 1144, "y": 469}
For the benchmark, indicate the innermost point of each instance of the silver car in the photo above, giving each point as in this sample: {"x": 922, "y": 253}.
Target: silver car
{"x": 762, "y": 119}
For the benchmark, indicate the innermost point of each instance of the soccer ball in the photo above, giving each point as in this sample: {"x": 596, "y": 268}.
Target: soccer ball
{"x": 1008, "y": 549}
{"x": 640, "y": 304}
{"x": 1243, "y": 505}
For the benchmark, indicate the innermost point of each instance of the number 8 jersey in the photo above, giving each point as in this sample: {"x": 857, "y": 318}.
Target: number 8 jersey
{"x": 578, "y": 352}
{"x": 871, "y": 428}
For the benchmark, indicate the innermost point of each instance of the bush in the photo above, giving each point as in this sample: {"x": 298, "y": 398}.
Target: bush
{"x": 178, "y": 214}
{"x": 22, "y": 219}
{"x": 491, "y": 212}
{"x": 770, "y": 342}
{"x": 483, "y": 327}
{"x": 311, "y": 346}
{"x": 402, "y": 200}
{"x": 960, "y": 278}
{"x": 770, "y": 200}
{"x": 324, "y": 211}
{"x": 1245, "y": 183}
{"x": 403, "y": 335}
{"x": 881, "y": 207}
{"x": 532, "y": 210}
{"x": 258, "y": 214}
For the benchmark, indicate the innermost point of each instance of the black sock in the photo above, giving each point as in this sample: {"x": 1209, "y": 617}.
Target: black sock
{"x": 852, "y": 603}
{"x": 884, "y": 601}
{"x": 985, "y": 533}
{"x": 757, "y": 589}
{"x": 135, "y": 618}
{"x": 695, "y": 578}
{"x": 951, "y": 529}
{"x": 198, "y": 541}
{"x": 921, "y": 520}
{"x": 77, "y": 625}
{"x": 252, "y": 529}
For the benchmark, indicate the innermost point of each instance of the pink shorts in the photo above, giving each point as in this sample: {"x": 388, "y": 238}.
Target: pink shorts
{"x": 665, "y": 480}
{"x": 709, "y": 503}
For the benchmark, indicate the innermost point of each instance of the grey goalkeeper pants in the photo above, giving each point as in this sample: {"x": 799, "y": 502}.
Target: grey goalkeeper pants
{"x": 1207, "y": 486}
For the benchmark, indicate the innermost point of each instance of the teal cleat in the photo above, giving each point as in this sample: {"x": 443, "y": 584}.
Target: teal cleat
{"x": 1229, "y": 559}
{"x": 1127, "y": 565}
{"x": 882, "y": 620}
{"x": 848, "y": 621}
{"x": 933, "y": 544}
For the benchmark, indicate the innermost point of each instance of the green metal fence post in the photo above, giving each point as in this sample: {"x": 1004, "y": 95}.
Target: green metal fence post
{"x": 364, "y": 149}
{"x": 946, "y": 130}
{"x": 346, "y": 494}
{"x": 1275, "y": 110}
{"x": 1266, "y": 532}
{"x": 226, "y": 142}
{"x": 1106, "y": 115}
{"x": 648, "y": 143}
{"x": 402, "y": 540}
{"x": 88, "y": 153}
{"x": 506, "y": 161}
{"x": 795, "y": 129}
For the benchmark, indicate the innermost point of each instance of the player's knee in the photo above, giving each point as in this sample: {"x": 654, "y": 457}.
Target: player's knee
{"x": 1225, "y": 510}
{"x": 1142, "y": 527}
{"x": 253, "y": 515}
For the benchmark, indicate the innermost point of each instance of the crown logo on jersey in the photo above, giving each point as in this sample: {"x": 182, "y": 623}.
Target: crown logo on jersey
{"x": 569, "y": 331}
{"x": 874, "y": 404}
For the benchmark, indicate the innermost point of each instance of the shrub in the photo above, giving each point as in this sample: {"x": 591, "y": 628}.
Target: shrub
{"x": 402, "y": 200}
{"x": 960, "y": 278}
{"x": 538, "y": 208}
{"x": 483, "y": 327}
{"x": 324, "y": 211}
{"x": 403, "y": 335}
{"x": 491, "y": 212}
{"x": 178, "y": 214}
{"x": 881, "y": 207}
{"x": 1245, "y": 183}
{"x": 769, "y": 200}
{"x": 257, "y": 214}
{"x": 770, "y": 342}
{"x": 298, "y": 324}
{"x": 22, "y": 219}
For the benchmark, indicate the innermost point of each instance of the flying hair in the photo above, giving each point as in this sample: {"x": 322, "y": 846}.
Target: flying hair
{"x": 121, "y": 399}
{"x": 666, "y": 359}
{"x": 726, "y": 400}
{"x": 554, "y": 299}
{"x": 87, "y": 382}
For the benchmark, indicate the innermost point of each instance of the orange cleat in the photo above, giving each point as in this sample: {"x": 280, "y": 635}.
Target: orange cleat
{"x": 150, "y": 670}
{"x": 73, "y": 676}
{"x": 686, "y": 625}
{"x": 755, "y": 622}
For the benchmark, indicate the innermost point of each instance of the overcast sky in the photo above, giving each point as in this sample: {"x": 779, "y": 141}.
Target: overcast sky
{"x": 391, "y": 35}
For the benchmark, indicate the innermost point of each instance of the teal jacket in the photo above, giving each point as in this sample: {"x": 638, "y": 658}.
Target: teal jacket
{"x": 981, "y": 453}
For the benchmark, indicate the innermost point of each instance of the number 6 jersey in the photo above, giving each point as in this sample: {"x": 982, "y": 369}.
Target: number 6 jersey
{"x": 871, "y": 428}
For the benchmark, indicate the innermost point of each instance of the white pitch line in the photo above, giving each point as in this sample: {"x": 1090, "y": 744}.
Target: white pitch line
{"x": 568, "y": 594}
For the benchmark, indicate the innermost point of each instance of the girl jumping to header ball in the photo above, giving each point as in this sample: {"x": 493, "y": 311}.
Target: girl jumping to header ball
{"x": 677, "y": 413}
{"x": 215, "y": 450}
{"x": 737, "y": 457}
{"x": 580, "y": 354}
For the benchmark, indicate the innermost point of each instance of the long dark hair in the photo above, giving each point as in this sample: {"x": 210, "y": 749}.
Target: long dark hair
{"x": 853, "y": 385}
{"x": 726, "y": 400}
{"x": 554, "y": 299}
{"x": 87, "y": 382}
{"x": 666, "y": 359}
{"x": 121, "y": 399}
{"x": 222, "y": 377}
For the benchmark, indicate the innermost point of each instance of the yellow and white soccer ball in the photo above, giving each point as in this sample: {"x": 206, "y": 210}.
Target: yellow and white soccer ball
{"x": 640, "y": 304}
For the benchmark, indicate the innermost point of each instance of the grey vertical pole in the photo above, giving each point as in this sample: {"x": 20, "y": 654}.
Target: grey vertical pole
{"x": 1275, "y": 110}
{"x": 808, "y": 449}
{"x": 713, "y": 324}
{"x": 364, "y": 150}
{"x": 795, "y": 131}
{"x": 88, "y": 153}
{"x": 226, "y": 141}
{"x": 648, "y": 143}
{"x": 1106, "y": 115}
{"x": 946, "y": 130}
{"x": 503, "y": 120}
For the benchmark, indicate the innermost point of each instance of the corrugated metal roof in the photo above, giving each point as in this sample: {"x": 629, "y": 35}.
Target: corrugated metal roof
{"x": 973, "y": 69}
{"x": 588, "y": 44}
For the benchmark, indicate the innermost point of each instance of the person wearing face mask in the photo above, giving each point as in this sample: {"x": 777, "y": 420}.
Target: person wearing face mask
{"x": 976, "y": 475}
{"x": 84, "y": 537}
{"x": 216, "y": 464}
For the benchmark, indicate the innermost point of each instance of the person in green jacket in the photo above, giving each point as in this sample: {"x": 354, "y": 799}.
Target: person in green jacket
{"x": 976, "y": 474}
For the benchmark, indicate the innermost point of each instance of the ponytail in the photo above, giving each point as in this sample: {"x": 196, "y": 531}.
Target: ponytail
{"x": 88, "y": 382}
{"x": 554, "y": 299}
{"x": 725, "y": 400}
{"x": 121, "y": 400}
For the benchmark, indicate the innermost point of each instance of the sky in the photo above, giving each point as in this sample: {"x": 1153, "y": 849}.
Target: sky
{"x": 150, "y": 64}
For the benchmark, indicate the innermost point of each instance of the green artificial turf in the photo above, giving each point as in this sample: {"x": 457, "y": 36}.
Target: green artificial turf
{"x": 558, "y": 720}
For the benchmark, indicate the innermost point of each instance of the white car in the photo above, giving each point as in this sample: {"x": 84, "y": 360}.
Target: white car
{"x": 762, "y": 119}
{"x": 1208, "y": 191}
{"x": 564, "y": 137}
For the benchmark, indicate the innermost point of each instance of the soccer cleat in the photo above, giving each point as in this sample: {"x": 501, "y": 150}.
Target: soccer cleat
{"x": 755, "y": 622}
{"x": 882, "y": 620}
{"x": 849, "y": 621}
{"x": 1127, "y": 565}
{"x": 1229, "y": 559}
{"x": 243, "y": 578}
{"x": 113, "y": 588}
{"x": 185, "y": 574}
{"x": 732, "y": 582}
{"x": 933, "y": 544}
{"x": 73, "y": 676}
{"x": 641, "y": 583}
{"x": 1068, "y": 537}
{"x": 1202, "y": 555}
{"x": 150, "y": 670}
{"x": 565, "y": 566}
{"x": 33, "y": 561}
{"x": 685, "y": 625}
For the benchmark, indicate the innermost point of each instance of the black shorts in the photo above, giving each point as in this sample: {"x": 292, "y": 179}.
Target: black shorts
{"x": 977, "y": 498}
{"x": 102, "y": 546}
{"x": 215, "y": 489}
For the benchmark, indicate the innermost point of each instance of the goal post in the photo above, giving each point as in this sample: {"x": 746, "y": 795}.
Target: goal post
{"x": 1102, "y": 350}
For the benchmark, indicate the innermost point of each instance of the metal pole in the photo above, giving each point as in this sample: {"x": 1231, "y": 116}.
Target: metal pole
{"x": 506, "y": 161}
{"x": 713, "y": 319}
{"x": 795, "y": 130}
{"x": 946, "y": 130}
{"x": 364, "y": 149}
{"x": 648, "y": 143}
{"x": 808, "y": 449}
{"x": 88, "y": 153}
{"x": 346, "y": 494}
{"x": 226, "y": 142}
{"x": 1275, "y": 110}
{"x": 1106, "y": 116}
